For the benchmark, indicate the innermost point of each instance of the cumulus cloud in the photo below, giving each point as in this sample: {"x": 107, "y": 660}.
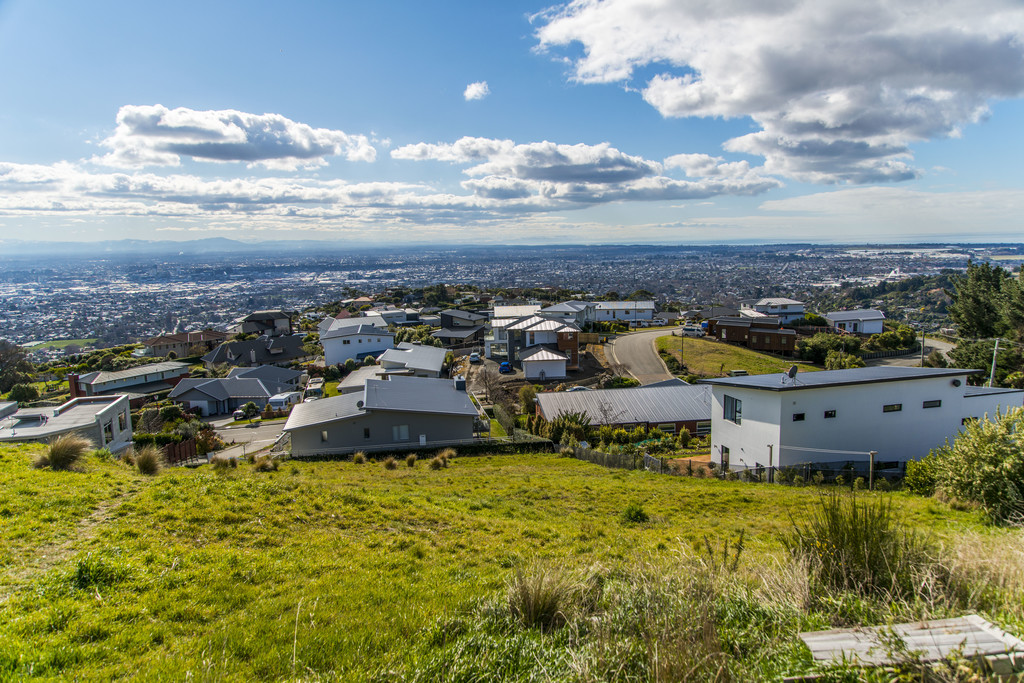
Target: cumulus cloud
{"x": 839, "y": 88}
{"x": 558, "y": 175}
{"x": 476, "y": 91}
{"x": 153, "y": 135}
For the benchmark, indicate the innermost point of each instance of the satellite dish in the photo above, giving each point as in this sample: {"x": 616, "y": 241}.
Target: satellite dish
{"x": 359, "y": 404}
{"x": 791, "y": 373}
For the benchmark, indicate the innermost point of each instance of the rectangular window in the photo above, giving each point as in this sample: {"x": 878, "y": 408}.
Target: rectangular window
{"x": 122, "y": 421}
{"x": 799, "y": 417}
{"x": 703, "y": 427}
{"x": 366, "y": 432}
{"x": 931, "y": 404}
{"x": 668, "y": 427}
{"x": 892, "y": 408}
{"x": 108, "y": 432}
{"x": 346, "y": 341}
{"x": 323, "y": 436}
{"x": 830, "y": 414}
{"x": 400, "y": 433}
{"x": 753, "y": 339}
{"x": 784, "y": 340}
{"x": 733, "y": 409}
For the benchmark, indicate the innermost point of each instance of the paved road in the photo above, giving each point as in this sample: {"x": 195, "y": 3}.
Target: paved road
{"x": 914, "y": 359}
{"x": 636, "y": 351}
{"x": 248, "y": 438}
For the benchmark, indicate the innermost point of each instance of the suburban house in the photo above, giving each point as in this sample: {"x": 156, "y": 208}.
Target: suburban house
{"x": 580, "y": 313}
{"x": 401, "y": 413}
{"x": 786, "y": 310}
{"x": 413, "y": 359}
{"x": 671, "y": 406}
{"x": 625, "y": 311}
{"x": 265, "y": 350}
{"x": 515, "y": 312}
{"x": 546, "y": 347}
{"x": 104, "y": 420}
{"x": 356, "y": 340}
{"x": 182, "y": 344}
{"x": 760, "y": 334}
{"x": 270, "y": 323}
{"x": 459, "y": 328}
{"x": 141, "y": 384}
{"x": 222, "y": 396}
{"x": 859, "y": 321}
{"x": 542, "y": 363}
{"x": 839, "y": 416}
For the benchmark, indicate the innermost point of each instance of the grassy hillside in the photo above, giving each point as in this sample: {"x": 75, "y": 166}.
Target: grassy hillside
{"x": 324, "y": 571}
{"x": 713, "y": 358}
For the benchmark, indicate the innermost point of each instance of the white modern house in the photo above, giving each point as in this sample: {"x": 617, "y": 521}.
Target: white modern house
{"x": 839, "y": 416}
{"x": 859, "y": 321}
{"x": 786, "y": 310}
{"x": 624, "y": 311}
{"x": 355, "y": 340}
{"x": 413, "y": 359}
{"x": 104, "y": 420}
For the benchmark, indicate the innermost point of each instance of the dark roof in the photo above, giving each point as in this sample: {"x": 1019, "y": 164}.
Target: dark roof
{"x": 222, "y": 389}
{"x": 970, "y": 392}
{"x": 670, "y": 401}
{"x": 459, "y": 333}
{"x": 836, "y": 378}
{"x": 104, "y": 376}
{"x": 417, "y": 395}
{"x": 267, "y": 373}
{"x": 464, "y": 315}
{"x": 356, "y": 328}
{"x": 268, "y": 350}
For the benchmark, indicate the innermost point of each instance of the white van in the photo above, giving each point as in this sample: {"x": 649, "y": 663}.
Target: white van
{"x": 282, "y": 401}
{"x": 692, "y": 331}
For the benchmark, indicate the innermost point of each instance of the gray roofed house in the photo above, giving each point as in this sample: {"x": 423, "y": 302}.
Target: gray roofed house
{"x": 861, "y": 320}
{"x": 400, "y": 413}
{"x": 670, "y": 405}
{"x": 272, "y": 323}
{"x": 261, "y": 351}
{"x": 356, "y": 340}
{"x": 221, "y": 396}
{"x": 415, "y": 359}
{"x": 139, "y": 383}
{"x": 270, "y": 374}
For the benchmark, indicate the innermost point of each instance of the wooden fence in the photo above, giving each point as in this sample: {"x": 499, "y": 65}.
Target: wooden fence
{"x": 183, "y": 453}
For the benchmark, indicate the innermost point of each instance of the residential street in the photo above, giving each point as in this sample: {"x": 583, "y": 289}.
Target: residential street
{"x": 636, "y": 351}
{"x": 914, "y": 360}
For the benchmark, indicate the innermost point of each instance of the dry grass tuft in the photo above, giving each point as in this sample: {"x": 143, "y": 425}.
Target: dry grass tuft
{"x": 359, "y": 458}
{"x": 390, "y": 463}
{"x": 64, "y": 451}
{"x": 410, "y": 460}
{"x": 447, "y": 453}
{"x": 149, "y": 459}
{"x": 436, "y": 463}
{"x": 265, "y": 463}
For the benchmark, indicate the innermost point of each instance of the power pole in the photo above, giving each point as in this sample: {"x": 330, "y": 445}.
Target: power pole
{"x": 871, "y": 470}
{"x": 992, "y": 373}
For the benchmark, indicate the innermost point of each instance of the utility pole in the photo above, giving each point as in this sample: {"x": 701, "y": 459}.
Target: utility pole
{"x": 771, "y": 472}
{"x": 922, "y": 347}
{"x": 992, "y": 373}
{"x": 871, "y": 470}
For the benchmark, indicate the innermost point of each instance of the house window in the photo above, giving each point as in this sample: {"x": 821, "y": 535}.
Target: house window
{"x": 668, "y": 427}
{"x": 366, "y": 432}
{"x": 725, "y": 456}
{"x": 703, "y": 427}
{"x": 122, "y": 421}
{"x": 733, "y": 409}
{"x": 931, "y": 404}
{"x": 108, "y": 432}
{"x": 723, "y": 334}
{"x": 753, "y": 339}
{"x": 830, "y": 414}
{"x": 323, "y": 436}
{"x": 892, "y": 408}
{"x": 400, "y": 433}
{"x": 799, "y": 417}
{"x": 346, "y": 341}
{"x": 783, "y": 341}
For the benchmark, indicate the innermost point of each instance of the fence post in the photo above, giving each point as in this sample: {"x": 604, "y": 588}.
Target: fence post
{"x": 871, "y": 470}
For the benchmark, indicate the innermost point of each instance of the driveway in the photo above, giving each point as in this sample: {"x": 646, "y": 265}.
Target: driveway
{"x": 248, "y": 438}
{"x": 914, "y": 360}
{"x": 637, "y": 353}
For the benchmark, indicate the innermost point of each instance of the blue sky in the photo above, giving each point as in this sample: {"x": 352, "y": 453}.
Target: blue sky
{"x": 468, "y": 122}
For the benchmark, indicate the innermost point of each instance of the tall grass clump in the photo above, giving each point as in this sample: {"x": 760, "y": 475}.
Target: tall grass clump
{"x": 64, "y": 451}
{"x": 265, "y": 463}
{"x": 390, "y": 463}
{"x": 359, "y": 458}
{"x": 447, "y": 453}
{"x": 634, "y": 513}
{"x": 436, "y": 463}
{"x": 410, "y": 460}
{"x": 859, "y": 545}
{"x": 149, "y": 459}
{"x": 540, "y": 597}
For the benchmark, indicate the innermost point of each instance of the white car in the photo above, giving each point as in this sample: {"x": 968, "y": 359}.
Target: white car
{"x": 692, "y": 331}
{"x": 474, "y": 357}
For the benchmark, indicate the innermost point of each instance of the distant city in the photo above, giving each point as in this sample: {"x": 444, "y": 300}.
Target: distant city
{"x": 135, "y": 293}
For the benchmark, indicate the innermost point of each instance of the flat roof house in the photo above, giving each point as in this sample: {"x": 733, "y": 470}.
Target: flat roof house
{"x": 413, "y": 359}
{"x": 838, "y": 416}
{"x": 355, "y": 340}
{"x": 400, "y": 413}
{"x": 859, "y": 321}
{"x": 140, "y": 383}
{"x": 786, "y": 310}
{"x": 624, "y": 311}
{"x": 104, "y": 420}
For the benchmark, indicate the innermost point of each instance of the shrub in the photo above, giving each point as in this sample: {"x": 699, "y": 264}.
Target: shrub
{"x": 435, "y": 463}
{"x": 859, "y": 546}
{"x": 539, "y": 597}
{"x": 222, "y": 464}
{"x": 64, "y": 451}
{"x": 23, "y": 393}
{"x": 171, "y": 413}
{"x": 389, "y": 463}
{"x": 634, "y": 513}
{"x": 265, "y": 463}
{"x": 103, "y": 454}
{"x": 858, "y": 484}
{"x": 920, "y": 476}
{"x": 410, "y": 460}
{"x": 149, "y": 459}
{"x": 359, "y": 458}
{"x": 883, "y": 484}
{"x": 985, "y": 465}
{"x": 798, "y": 480}
{"x": 447, "y": 453}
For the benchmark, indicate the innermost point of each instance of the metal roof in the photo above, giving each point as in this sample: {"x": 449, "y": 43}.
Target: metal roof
{"x": 77, "y": 413}
{"x": 267, "y": 373}
{"x": 342, "y": 407}
{"x": 417, "y": 395}
{"x": 654, "y": 403}
{"x": 834, "y": 378}
{"x": 415, "y": 357}
{"x": 355, "y": 328}
{"x": 857, "y": 314}
{"x": 104, "y": 376}
{"x": 624, "y": 305}
{"x": 539, "y": 353}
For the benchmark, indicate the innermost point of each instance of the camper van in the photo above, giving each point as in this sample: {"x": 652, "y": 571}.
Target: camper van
{"x": 315, "y": 388}
{"x": 282, "y": 401}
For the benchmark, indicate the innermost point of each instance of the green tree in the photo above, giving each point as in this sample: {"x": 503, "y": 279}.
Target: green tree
{"x": 977, "y": 355}
{"x": 817, "y": 347}
{"x": 527, "y": 394}
{"x": 22, "y": 393}
{"x": 14, "y": 366}
{"x": 250, "y": 410}
{"x": 978, "y": 300}
{"x": 836, "y": 360}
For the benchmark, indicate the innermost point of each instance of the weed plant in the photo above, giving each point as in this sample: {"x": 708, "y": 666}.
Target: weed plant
{"x": 359, "y": 458}
{"x": 265, "y": 463}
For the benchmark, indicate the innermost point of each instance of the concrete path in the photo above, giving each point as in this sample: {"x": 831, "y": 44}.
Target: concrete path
{"x": 248, "y": 438}
{"x": 636, "y": 351}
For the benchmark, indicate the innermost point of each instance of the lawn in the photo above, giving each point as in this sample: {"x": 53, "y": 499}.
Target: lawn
{"x": 64, "y": 343}
{"x": 339, "y": 571}
{"x": 709, "y": 358}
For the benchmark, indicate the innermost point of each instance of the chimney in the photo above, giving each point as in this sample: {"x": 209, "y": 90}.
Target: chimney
{"x": 252, "y": 355}
{"x": 73, "y": 385}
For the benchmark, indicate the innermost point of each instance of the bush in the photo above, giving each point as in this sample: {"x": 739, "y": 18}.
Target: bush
{"x": 447, "y": 453}
{"x": 149, "y": 459}
{"x": 265, "y": 463}
{"x": 920, "y": 476}
{"x": 103, "y": 454}
{"x": 223, "y": 464}
{"x": 410, "y": 460}
{"x": 859, "y": 546}
{"x": 359, "y": 458}
{"x": 390, "y": 463}
{"x": 634, "y": 513}
{"x": 539, "y": 597}
{"x": 64, "y": 451}
{"x": 985, "y": 465}
{"x": 23, "y": 393}
{"x": 436, "y": 463}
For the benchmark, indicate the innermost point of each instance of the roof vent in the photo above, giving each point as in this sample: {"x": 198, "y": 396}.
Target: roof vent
{"x": 359, "y": 404}
{"x": 956, "y": 383}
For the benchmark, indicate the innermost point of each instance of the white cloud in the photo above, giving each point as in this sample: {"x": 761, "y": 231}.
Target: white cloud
{"x": 476, "y": 91}
{"x": 840, "y": 88}
{"x": 153, "y": 135}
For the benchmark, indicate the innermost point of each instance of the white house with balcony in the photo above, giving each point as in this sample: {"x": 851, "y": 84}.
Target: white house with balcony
{"x": 786, "y": 310}
{"x": 839, "y": 416}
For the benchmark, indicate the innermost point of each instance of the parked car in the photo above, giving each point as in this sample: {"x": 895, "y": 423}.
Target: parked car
{"x": 505, "y": 368}
{"x": 238, "y": 414}
{"x": 474, "y": 357}
{"x": 692, "y": 331}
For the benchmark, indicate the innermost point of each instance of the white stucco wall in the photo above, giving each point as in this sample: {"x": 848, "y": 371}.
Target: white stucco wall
{"x": 552, "y": 369}
{"x": 358, "y": 346}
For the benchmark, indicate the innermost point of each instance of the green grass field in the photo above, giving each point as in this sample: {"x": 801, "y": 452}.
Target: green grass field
{"x": 64, "y": 343}
{"x": 338, "y": 571}
{"x": 714, "y": 359}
